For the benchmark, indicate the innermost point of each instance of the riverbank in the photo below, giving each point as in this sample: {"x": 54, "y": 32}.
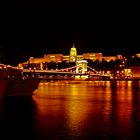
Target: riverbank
{"x": 116, "y": 79}
{"x": 91, "y": 79}
{"x": 124, "y": 79}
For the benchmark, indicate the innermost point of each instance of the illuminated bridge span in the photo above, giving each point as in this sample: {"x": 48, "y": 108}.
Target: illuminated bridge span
{"x": 73, "y": 71}
{"x": 79, "y": 70}
{"x": 70, "y": 70}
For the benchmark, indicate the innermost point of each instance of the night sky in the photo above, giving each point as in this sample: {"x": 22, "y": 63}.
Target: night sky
{"x": 41, "y": 27}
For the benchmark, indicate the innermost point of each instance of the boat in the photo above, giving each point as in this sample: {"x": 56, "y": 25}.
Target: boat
{"x": 12, "y": 83}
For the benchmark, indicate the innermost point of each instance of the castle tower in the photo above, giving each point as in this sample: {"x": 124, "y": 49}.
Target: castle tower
{"x": 73, "y": 54}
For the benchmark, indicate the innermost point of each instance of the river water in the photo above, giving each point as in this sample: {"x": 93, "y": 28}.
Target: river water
{"x": 74, "y": 110}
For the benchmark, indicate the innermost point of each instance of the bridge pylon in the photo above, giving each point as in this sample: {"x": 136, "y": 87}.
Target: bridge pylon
{"x": 81, "y": 66}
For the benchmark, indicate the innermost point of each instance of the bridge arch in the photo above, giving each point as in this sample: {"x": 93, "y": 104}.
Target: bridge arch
{"x": 81, "y": 66}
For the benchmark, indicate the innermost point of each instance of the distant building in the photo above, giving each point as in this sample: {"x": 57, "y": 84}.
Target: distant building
{"x": 37, "y": 60}
{"x": 135, "y": 71}
{"x": 119, "y": 57}
{"x": 54, "y": 57}
{"x": 93, "y": 56}
{"x": 80, "y": 57}
{"x": 138, "y": 55}
{"x": 73, "y": 54}
{"x": 109, "y": 58}
{"x": 66, "y": 58}
{"x": 73, "y": 57}
{"x": 47, "y": 58}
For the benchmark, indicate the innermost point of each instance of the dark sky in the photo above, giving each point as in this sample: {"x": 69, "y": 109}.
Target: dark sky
{"x": 34, "y": 28}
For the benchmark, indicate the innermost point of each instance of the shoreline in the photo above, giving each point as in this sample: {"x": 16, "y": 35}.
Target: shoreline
{"x": 125, "y": 79}
{"x": 114, "y": 79}
{"x": 120, "y": 79}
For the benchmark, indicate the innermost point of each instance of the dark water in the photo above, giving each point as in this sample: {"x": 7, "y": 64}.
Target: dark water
{"x": 74, "y": 110}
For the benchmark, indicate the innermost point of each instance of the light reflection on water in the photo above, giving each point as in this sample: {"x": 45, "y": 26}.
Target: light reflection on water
{"x": 80, "y": 110}
{"x": 100, "y": 109}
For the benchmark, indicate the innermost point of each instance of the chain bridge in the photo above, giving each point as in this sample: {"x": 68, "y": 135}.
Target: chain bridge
{"x": 80, "y": 71}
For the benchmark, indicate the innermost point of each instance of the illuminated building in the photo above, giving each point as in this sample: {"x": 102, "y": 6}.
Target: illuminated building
{"x": 135, "y": 71}
{"x": 119, "y": 57}
{"x": 93, "y": 56}
{"x": 37, "y": 60}
{"x": 112, "y": 58}
{"x": 73, "y": 57}
{"x": 109, "y": 58}
{"x": 66, "y": 58}
{"x": 54, "y": 57}
{"x": 73, "y": 54}
{"x": 47, "y": 58}
{"x": 138, "y": 55}
{"x": 80, "y": 57}
{"x": 127, "y": 72}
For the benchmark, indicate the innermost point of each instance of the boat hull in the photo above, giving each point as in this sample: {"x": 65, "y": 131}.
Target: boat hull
{"x": 18, "y": 87}
{"x": 3, "y": 86}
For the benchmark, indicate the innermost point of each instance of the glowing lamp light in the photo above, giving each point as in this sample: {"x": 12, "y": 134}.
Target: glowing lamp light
{"x": 117, "y": 71}
{"x": 108, "y": 72}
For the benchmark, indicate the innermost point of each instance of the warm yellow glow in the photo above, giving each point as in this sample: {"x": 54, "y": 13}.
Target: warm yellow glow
{"x": 77, "y": 111}
{"x": 75, "y": 104}
{"x": 77, "y": 76}
{"x": 127, "y": 72}
{"x": 41, "y": 66}
{"x": 108, "y": 72}
{"x": 81, "y": 66}
{"x": 83, "y": 77}
{"x": 73, "y": 54}
{"x": 124, "y": 108}
{"x": 81, "y": 61}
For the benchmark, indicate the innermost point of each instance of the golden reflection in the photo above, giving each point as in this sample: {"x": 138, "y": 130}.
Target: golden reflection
{"x": 107, "y": 100}
{"x": 80, "y": 106}
{"x": 124, "y": 91}
{"x": 46, "y": 100}
{"x": 129, "y": 84}
{"x": 107, "y": 91}
{"x": 80, "y": 101}
{"x": 76, "y": 113}
{"x": 122, "y": 105}
{"x": 108, "y": 84}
